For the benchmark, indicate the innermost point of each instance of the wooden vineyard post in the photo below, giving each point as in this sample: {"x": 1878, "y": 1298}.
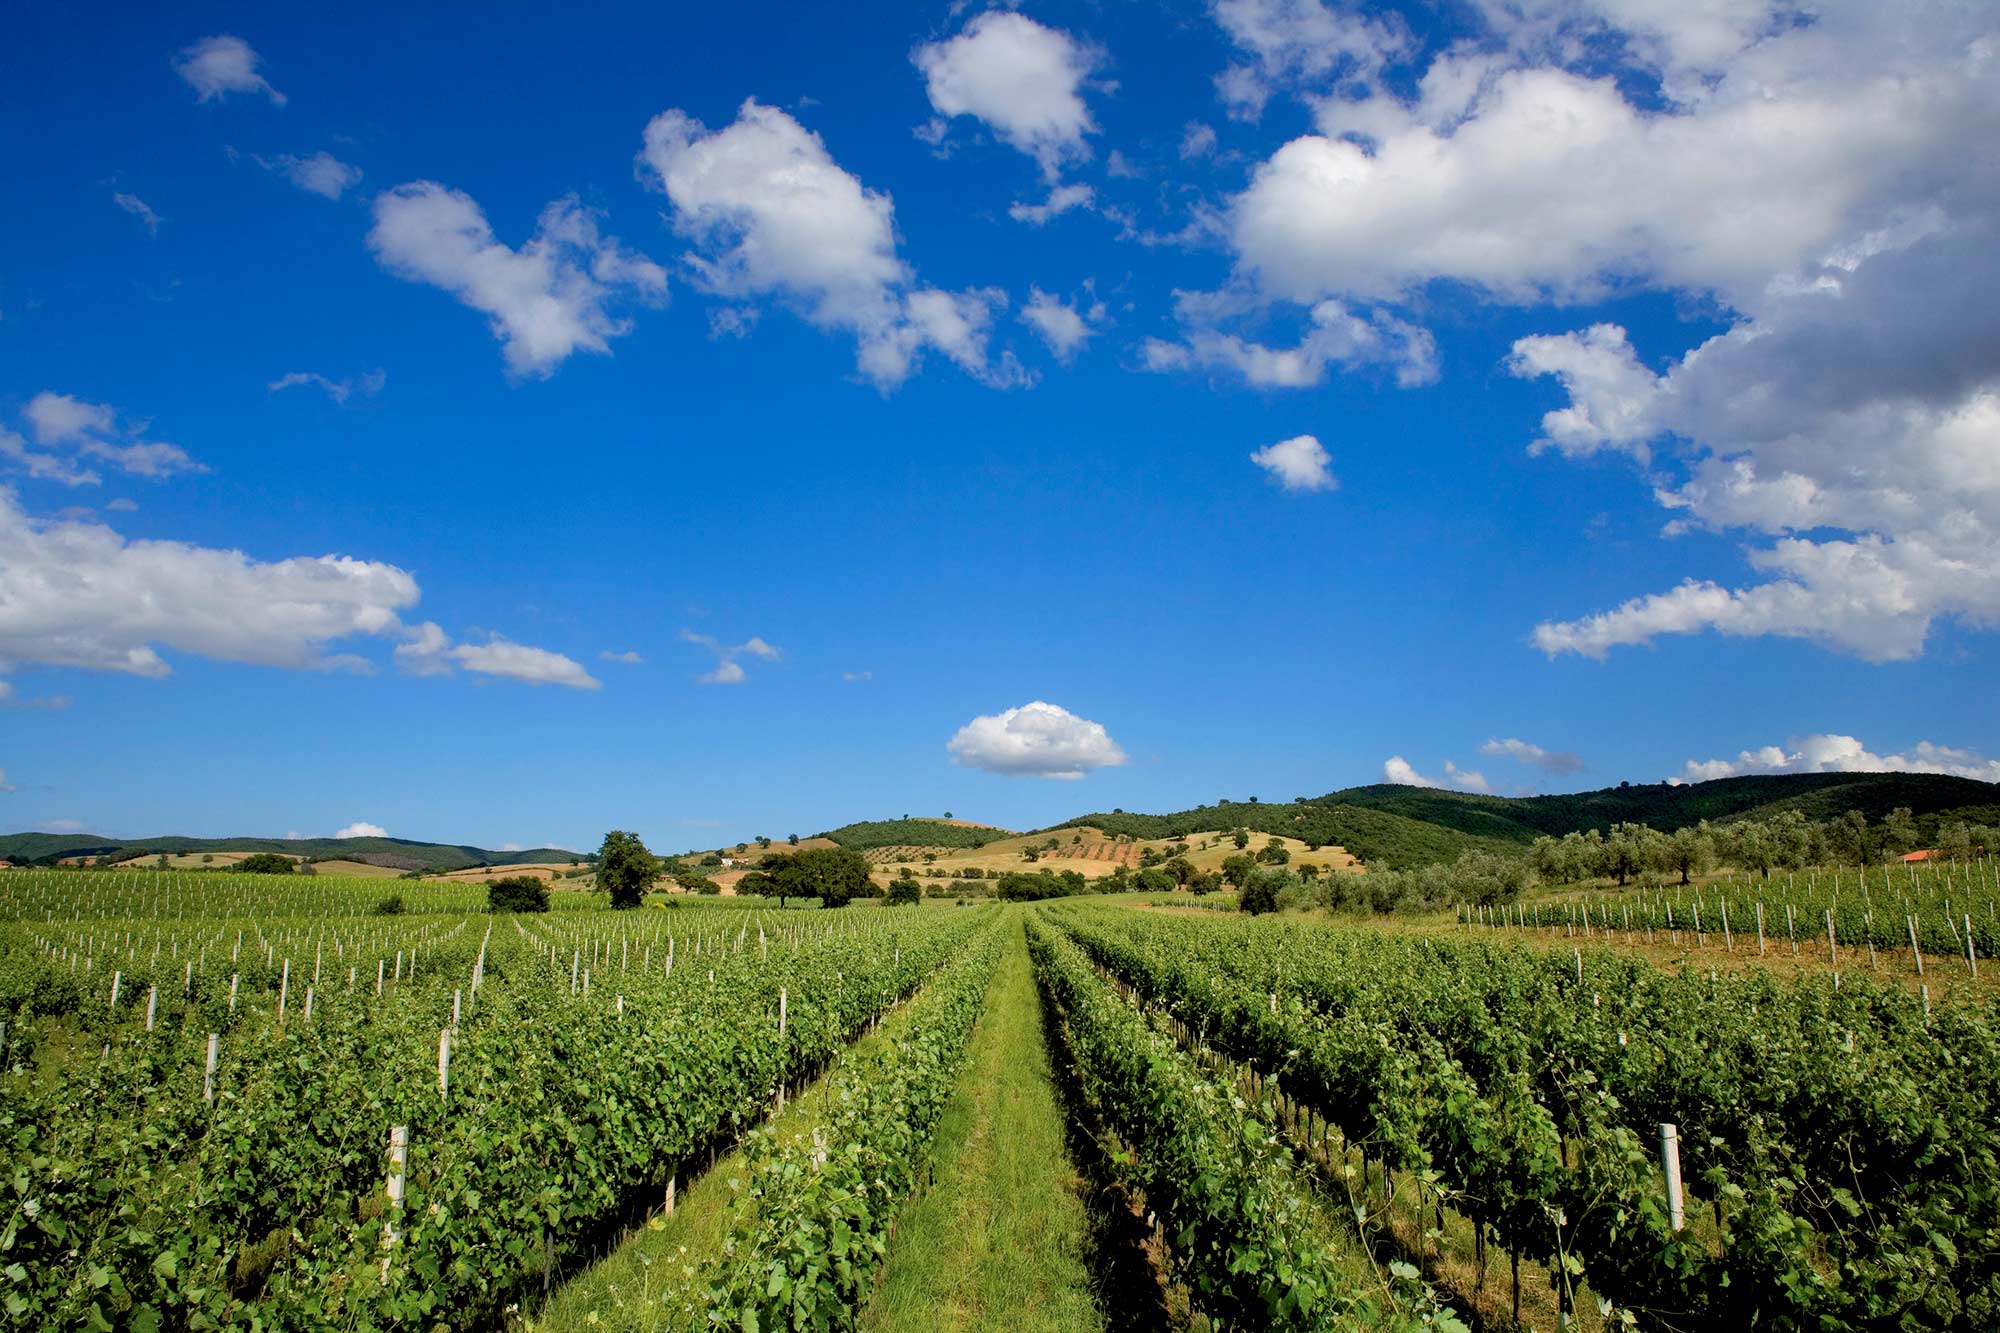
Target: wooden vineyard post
{"x": 1832, "y": 953}
{"x": 1728, "y": 940}
{"x": 1760, "y": 929}
{"x": 208, "y": 1071}
{"x": 670, "y": 1196}
{"x": 115, "y": 978}
{"x": 284, "y": 986}
{"x": 234, "y": 977}
{"x": 399, "y": 1160}
{"x": 1971, "y": 958}
{"x": 153, "y": 999}
{"x": 1670, "y": 1162}
{"x": 782, "y": 1009}
{"x": 444, "y": 1060}
{"x": 1915, "y": 952}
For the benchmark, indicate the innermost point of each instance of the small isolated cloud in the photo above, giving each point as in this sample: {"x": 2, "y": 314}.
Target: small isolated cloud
{"x": 1064, "y": 327}
{"x": 1832, "y": 753}
{"x": 854, "y": 676}
{"x": 122, "y": 506}
{"x": 322, "y": 174}
{"x": 1061, "y": 200}
{"x": 623, "y": 659}
{"x": 362, "y": 829}
{"x": 367, "y": 384}
{"x": 1299, "y": 464}
{"x": 1335, "y": 337}
{"x": 217, "y": 66}
{"x": 61, "y": 826}
{"x": 1036, "y": 740}
{"x": 1401, "y": 772}
{"x": 6, "y": 786}
{"x": 553, "y": 296}
{"x": 72, "y": 434}
{"x": 728, "y": 671}
{"x": 431, "y": 652}
{"x": 1022, "y": 80}
{"x": 139, "y": 209}
{"x": 9, "y": 698}
{"x": 1557, "y": 762}
{"x": 1198, "y": 140}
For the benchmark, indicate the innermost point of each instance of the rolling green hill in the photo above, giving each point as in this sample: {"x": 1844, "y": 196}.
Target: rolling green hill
{"x": 912, "y": 833}
{"x": 397, "y": 853}
{"x": 1404, "y": 826}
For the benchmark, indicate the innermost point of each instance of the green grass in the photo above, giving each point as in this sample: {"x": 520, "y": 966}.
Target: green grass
{"x": 1000, "y": 1240}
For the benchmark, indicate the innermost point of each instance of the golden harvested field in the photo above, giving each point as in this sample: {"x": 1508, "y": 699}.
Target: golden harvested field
{"x": 179, "y": 860}
{"x": 481, "y": 874}
{"x": 355, "y": 869}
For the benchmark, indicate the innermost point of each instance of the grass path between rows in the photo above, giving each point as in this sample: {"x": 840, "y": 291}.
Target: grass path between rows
{"x": 658, "y": 1278}
{"x": 1001, "y": 1238}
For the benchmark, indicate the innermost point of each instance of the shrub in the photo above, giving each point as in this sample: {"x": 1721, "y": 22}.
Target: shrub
{"x": 904, "y": 890}
{"x": 1260, "y": 895}
{"x": 390, "y": 906}
{"x": 265, "y": 863}
{"x": 517, "y": 893}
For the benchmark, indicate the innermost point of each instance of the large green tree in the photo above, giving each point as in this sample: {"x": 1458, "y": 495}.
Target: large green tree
{"x": 625, "y": 869}
{"x": 834, "y": 875}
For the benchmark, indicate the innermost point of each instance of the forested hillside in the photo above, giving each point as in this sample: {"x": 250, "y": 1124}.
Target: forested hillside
{"x": 1400, "y": 826}
{"x": 908, "y": 832}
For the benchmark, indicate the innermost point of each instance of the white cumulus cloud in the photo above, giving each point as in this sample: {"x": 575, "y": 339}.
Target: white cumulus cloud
{"x": 1063, "y": 326}
{"x": 1299, "y": 464}
{"x": 1061, "y": 199}
{"x": 429, "y": 651}
{"x": 73, "y": 434}
{"x": 76, "y": 594}
{"x": 1036, "y": 740}
{"x": 217, "y": 66}
{"x": 1021, "y": 79}
{"x": 362, "y": 829}
{"x": 1334, "y": 337}
{"x": 1817, "y": 175}
{"x": 1833, "y": 753}
{"x": 727, "y": 670}
{"x": 553, "y": 296}
{"x": 771, "y": 214}
{"x": 1398, "y": 770}
{"x": 1295, "y": 43}
{"x": 322, "y": 173}
{"x": 1559, "y": 762}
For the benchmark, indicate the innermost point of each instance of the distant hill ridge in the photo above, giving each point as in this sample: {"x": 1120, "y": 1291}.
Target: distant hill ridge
{"x": 395, "y": 853}
{"x": 1382, "y": 824}
{"x": 1402, "y": 826}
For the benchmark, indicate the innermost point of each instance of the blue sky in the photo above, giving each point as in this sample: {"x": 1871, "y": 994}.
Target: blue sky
{"x": 1625, "y": 380}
